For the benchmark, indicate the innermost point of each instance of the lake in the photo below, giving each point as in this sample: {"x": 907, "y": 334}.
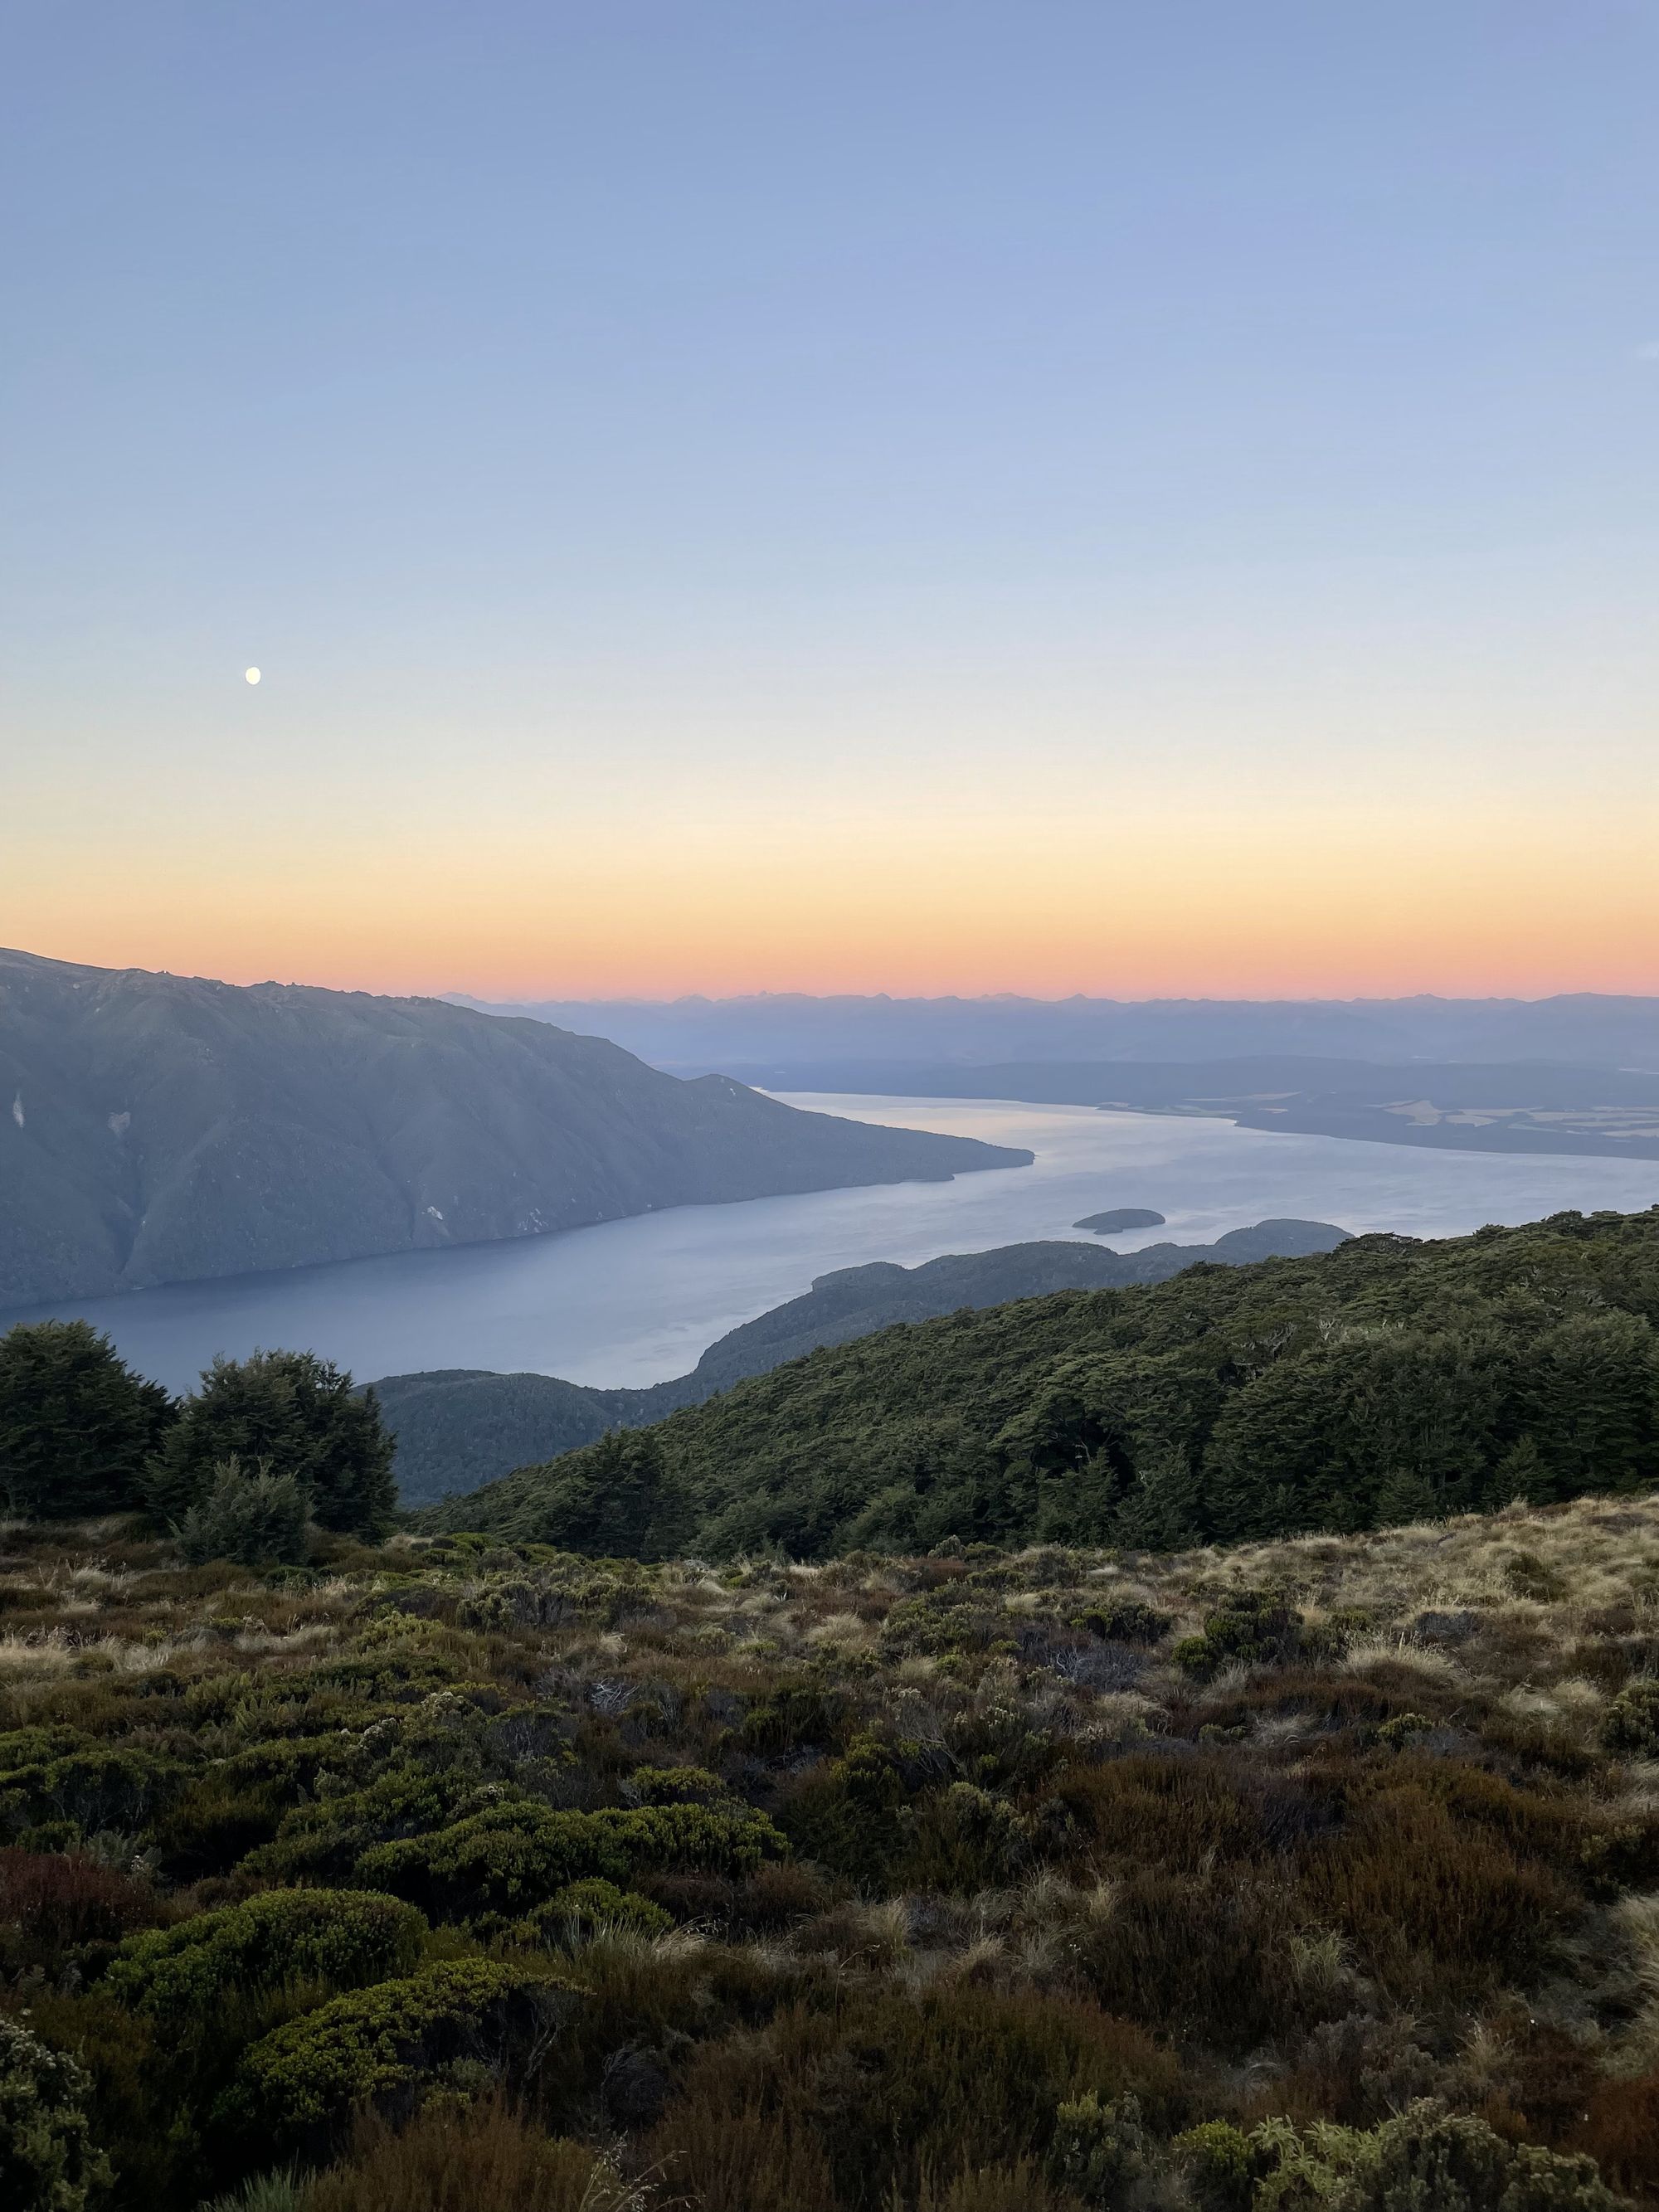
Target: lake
{"x": 637, "y": 1301}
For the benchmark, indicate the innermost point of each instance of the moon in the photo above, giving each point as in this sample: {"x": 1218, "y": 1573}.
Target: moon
{"x": 251, "y": 674}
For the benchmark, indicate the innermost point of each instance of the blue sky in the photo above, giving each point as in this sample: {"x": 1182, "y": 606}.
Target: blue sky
{"x": 683, "y": 435}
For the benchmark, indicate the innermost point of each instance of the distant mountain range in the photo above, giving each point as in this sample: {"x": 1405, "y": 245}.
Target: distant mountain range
{"x": 160, "y": 1128}
{"x": 1500, "y": 1106}
{"x": 775, "y": 1035}
{"x": 458, "y": 1428}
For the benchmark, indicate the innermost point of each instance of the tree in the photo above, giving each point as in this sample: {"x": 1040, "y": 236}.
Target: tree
{"x": 300, "y": 1416}
{"x": 1163, "y": 1510}
{"x": 76, "y": 1425}
{"x": 1594, "y": 1401}
{"x": 612, "y": 1501}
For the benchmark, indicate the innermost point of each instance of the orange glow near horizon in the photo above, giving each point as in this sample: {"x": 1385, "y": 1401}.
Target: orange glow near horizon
{"x": 1317, "y": 906}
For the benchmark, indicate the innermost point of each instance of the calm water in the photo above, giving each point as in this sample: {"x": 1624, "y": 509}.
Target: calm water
{"x": 633, "y": 1301}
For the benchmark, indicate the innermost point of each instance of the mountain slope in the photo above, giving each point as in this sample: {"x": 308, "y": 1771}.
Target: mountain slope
{"x": 460, "y": 1427}
{"x": 1387, "y": 1380}
{"x": 160, "y": 1129}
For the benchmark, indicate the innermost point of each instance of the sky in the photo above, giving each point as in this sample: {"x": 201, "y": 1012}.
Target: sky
{"x": 1138, "y": 499}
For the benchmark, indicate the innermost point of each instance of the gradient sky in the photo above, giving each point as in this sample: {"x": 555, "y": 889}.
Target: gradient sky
{"x": 1131, "y": 498}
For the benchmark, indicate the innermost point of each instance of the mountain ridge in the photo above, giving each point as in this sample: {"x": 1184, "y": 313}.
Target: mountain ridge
{"x": 158, "y": 1128}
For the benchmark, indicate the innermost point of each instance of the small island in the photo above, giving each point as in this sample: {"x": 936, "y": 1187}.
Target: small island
{"x": 1124, "y": 1216}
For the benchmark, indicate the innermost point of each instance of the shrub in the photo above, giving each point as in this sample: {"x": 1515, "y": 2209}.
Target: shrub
{"x": 216, "y": 1819}
{"x": 855, "y": 2104}
{"x": 481, "y": 2157}
{"x": 343, "y": 1938}
{"x": 1098, "y": 2151}
{"x": 277, "y": 2191}
{"x": 676, "y": 1785}
{"x": 587, "y": 1909}
{"x": 1426, "y": 2157}
{"x": 1204, "y": 1953}
{"x": 964, "y": 1838}
{"x": 1408, "y": 1882}
{"x": 847, "y": 1814}
{"x": 613, "y": 1500}
{"x": 1630, "y": 1723}
{"x": 376, "y": 2046}
{"x": 1221, "y": 2163}
{"x": 1619, "y": 2130}
{"x": 1125, "y": 1622}
{"x": 47, "y": 2160}
{"x": 255, "y": 1520}
{"x": 76, "y": 1425}
{"x": 1021, "y": 2187}
{"x": 1253, "y": 1629}
{"x": 325, "y": 1841}
{"x": 517, "y": 1854}
{"x": 137, "y": 2103}
{"x": 89, "y": 1788}
{"x": 59, "y": 1900}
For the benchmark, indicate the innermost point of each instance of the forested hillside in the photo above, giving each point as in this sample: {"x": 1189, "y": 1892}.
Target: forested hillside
{"x": 460, "y": 1427}
{"x": 1384, "y": 1381}
{"x": 160, "y": 1129}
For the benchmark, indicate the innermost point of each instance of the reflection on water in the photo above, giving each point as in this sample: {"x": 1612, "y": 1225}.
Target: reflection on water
{"x": 633, "y": 1301}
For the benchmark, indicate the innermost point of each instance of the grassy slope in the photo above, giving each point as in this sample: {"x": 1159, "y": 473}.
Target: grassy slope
{"x": 1406, "y": 1847}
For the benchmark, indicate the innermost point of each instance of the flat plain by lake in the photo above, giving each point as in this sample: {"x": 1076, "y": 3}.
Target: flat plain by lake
{"x": 638, "y": 1300}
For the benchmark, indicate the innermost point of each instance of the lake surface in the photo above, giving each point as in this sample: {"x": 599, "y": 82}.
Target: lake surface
{"x": 637, "y": 1301}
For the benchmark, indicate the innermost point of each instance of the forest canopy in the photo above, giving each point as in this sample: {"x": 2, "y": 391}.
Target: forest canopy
{"x": 1382, "y": 1382}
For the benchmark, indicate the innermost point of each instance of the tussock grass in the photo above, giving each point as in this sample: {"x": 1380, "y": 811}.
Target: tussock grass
{"x": 1050, "y": 1826}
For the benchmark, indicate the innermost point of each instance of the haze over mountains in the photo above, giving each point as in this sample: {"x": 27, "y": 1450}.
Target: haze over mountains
{"x": 160, "y": 1128}
{"x": 1574, "y": 1075}
{"x": 1502, "y": 1106}
{"x": 774, "y": 1033}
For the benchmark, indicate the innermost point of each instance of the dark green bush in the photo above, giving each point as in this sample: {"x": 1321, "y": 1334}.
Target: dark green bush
{"x": 1253, "y": 1629}
{"x": 325, "y": 1841}
{"x": 343, "y": 1938}
{"x": 1630, "y": 1723}
{"x": 1221, "y": 2163}
{"x": 676, "y": 1785}
{"x": 964, "y": 1839}
{"x": 1100, "y": 2151}
{"x": 848, "y": 1812}
{"x": 377, "y": 2046}
{"x": 85, "y": 1789}
{"x": 600, "y": 1908}
{"x": 48, "y": 2162}
{"x": 518, "y": 1853}
{"x": 1425, "y": 2159}
{"x": 254, "y": 1519}
{"x": 1127, "y": 1621}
